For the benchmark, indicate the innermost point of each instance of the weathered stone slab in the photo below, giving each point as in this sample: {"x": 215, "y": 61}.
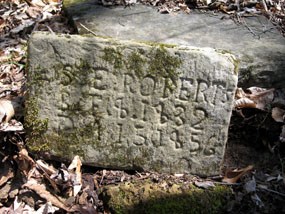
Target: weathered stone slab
{"x": 152, "y": 197}
{"x": 255, "y": 41}
{"x": 130, "y": 105}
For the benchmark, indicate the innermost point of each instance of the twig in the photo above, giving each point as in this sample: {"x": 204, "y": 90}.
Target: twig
{"x": 250, "y": 30}
{"x": 50, "y": 30}
{"x": 121, "y": 23}
{"x": 282, "y": 163}
{"x": 238, "y": 5}
{"x": 90, "y": 31}
{"x": 272, "y": 191}
{"x": 228, "y": 184}
{"x": 264, "y": 5}
{"x": 30, "y": 3}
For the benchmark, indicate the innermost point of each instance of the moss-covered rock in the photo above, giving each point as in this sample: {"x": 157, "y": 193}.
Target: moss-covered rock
{"x": 149, "y": 197}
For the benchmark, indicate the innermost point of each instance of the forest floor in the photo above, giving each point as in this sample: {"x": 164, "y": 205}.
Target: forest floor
{"x": 255, "y": 155}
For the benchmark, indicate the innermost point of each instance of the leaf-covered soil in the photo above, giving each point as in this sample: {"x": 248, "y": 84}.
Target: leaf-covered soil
{"x": 252, "y": 180}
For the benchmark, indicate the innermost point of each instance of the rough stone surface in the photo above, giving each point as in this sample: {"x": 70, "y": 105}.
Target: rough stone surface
{"x": 130, "y": 105}
{"x": 255, "y": 41}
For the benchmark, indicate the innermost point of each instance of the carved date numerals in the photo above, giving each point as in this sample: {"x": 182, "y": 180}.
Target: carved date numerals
{"x": 146, "y": 111}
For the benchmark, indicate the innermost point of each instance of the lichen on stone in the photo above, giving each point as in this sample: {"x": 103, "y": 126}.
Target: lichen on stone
{"x": 35, "y": 126}
{"x": 235, "y": 61}
{"x": 63, "y": 143}
{"x": 136, "y": 63}
{"x": 162, "y": 64}
{"x": 68, "y": 144}
{"x": 113, "y": 56}
{"x": 157, "y": 62}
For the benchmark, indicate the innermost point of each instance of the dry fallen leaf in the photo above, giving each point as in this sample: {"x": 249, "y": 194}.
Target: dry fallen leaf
{"x": 77, "y": 177}
{"x": 282, "y": 135}
{"x": 255, "y": 198}
{"x": 47, "y": 208}
{"x": 278, "y": 114}
{"x": 25, "y": 25}
{"x": 262, "y": 98}
{"x": 239, "y": 93}
{"x": 36, "y": 3}
{"x": 250, "y": 186}
{"x": 45, "y": 167}
{"x": 43, "y": 193}
{"x": 13, "y": 126}
{"x": 232, "y": 176}
{"x": 47, "y": 172}
{"x": 17, "y": 208}
{"x": 75, "y": 164}
{"x": 6, "y": 172}
{"x": 244, "y": 103}
{"x": 255, "y": 97}
{"x": 204, "y": 184}
{"x": 7, "y": 110}
{"x": 24, "y": 161}
{"x": 33, "y": 12}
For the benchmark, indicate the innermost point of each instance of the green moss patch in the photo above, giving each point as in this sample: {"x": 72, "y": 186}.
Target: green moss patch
{"x": 68, "y": 144}
{"x": 149, "y": 197}
{"x": 136, "y": 62}
{"x": 157, "y": 62}
{"x": 113, "y": 56}
{"x": 62, "y": 143}
{"x": 34, "y": 126}
{"x": 165, "y": 65}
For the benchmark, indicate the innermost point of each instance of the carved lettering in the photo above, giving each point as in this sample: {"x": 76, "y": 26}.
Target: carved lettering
{"x": 195, "y": 139}
{"x": 147, "y": 86}
{"x": 129, "y": 83}
{"x": 122, "y": 112}
{"x": 179, "y": 115}
{"x": 200, "y": 115}
{"x": 169, "y": 86}
{"x": 165, "y": 115}
{"x": 120, "y": 130}
{"x": 101, "y": 82}
{"x": 140, "y": 138}
{"x": 176, "y": 138}
{"x": 139, "y": 112}
{"x": 186, "y": 90}
{"x": 201, "y": 89}
{"x": 157, "y": 138}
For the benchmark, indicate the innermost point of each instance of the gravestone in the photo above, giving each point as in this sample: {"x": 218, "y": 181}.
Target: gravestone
{"x": 128, "y": 105}
{"x": 256, "y": 42}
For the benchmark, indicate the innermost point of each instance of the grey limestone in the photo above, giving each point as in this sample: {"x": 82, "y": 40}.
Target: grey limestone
{"x": 257, "y": 43}
{"x": 129, "y": 105}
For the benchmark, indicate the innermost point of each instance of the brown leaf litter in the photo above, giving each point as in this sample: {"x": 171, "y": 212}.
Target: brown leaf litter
{"x": 28, "y": 184}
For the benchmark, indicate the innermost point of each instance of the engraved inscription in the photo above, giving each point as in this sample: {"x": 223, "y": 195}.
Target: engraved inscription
{"x": 146, "y": 112}
{"x": 163, "y": 108}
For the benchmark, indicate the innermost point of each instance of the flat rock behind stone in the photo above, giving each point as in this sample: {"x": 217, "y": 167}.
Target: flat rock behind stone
{"x": 127, "y": 105}
{"x": 254, "y": 40}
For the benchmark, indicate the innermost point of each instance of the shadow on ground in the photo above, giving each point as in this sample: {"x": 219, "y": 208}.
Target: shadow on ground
{"x": 146, "y": 197}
